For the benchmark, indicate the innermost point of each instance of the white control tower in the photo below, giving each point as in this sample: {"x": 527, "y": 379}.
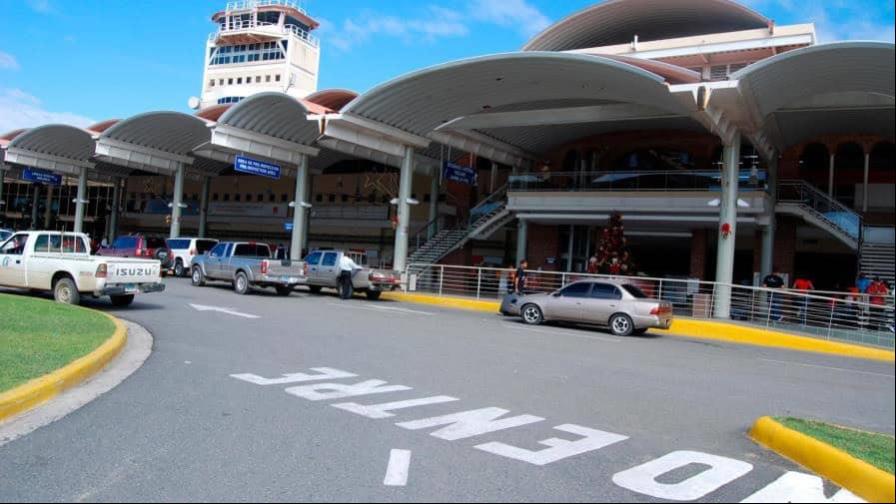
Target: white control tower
{"x": 260, "y": 45}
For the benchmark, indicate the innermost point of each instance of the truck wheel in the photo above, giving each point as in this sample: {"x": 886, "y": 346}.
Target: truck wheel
{"x": 198, "y": 279}
{"x": 283, "y": 291}
{"x": 122, "y": 301}
{"x": 65, "y": 291}
{"x": 373, "y": 295}
{"x": 621, "y": 325}
{"x": 179, "y": 269}
{"x": 315, "y": 289}
{"x": 241, "y": 284}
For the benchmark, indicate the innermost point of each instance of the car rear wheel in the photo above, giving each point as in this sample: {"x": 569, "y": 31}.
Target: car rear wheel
{"x": 122, "y": 301}
{"x": 241, "y": 283}
{"x": 198, "y": 279}
{"x": 373, "y": 295}
{"x": 621, "y": 325}
{"x": 65, "y": 291}
{"x": 532, "y": 314}
{"x": 283, "y": 291}
{"x": 179, "y": 269}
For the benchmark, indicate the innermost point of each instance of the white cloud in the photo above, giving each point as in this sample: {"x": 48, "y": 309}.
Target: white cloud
{"x": 8, "y": 61}
{"x": 836, "y": 20}
{"x": 519, "y": 13}
{"x": 23, "y": 110}
{"x": 41, "y": 6}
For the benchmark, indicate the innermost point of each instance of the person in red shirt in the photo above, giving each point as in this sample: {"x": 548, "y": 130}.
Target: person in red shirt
{"x": 803, "y": 285}
{"x": 878, "y": 291}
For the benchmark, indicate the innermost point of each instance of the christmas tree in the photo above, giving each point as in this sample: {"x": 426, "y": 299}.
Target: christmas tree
{"x": 612, "y": 255}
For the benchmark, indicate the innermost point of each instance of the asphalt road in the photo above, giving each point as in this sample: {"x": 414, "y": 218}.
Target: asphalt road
{"x": 182, "y": 428}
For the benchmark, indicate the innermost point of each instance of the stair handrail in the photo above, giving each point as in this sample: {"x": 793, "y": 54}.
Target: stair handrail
{"x": 810, "y": 197}
{"x": 500, "y": 192}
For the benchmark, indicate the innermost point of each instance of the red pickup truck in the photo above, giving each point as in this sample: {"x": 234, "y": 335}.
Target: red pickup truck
{"x": 141, "y": 247}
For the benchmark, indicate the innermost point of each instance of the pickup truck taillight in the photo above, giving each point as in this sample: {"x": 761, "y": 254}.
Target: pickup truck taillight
{"x": 102, "y": 271}
{"x": 264, "y": 267}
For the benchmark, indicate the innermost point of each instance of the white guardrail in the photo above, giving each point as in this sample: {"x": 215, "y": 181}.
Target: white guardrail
{"x": 858, "y": 318}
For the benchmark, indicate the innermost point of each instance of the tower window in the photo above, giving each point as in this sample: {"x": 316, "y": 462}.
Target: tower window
{"x": 277, "y": 77}
{"x": 220, "y": 82}
{"x": 211, "y": 83}
{"x": 267, "y": 78}
{"x": 239, "y": 80}
{"x": 257, "y": 79}
{"x": 229, "y": 82}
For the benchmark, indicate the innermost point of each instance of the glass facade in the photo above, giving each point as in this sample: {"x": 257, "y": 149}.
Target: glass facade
{"x": 19, "y": 204}
{"x": 248, "y": 53}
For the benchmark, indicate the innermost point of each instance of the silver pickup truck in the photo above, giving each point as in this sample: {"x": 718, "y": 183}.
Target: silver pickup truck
{"x": 247, "y": 265}
{"x": 323, "y": 271}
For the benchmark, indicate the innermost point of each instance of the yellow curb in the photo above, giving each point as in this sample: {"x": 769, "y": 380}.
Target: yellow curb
{"x": 691, "y": 328}
{"x": 857, "y": 476}
{"x": 40, "y": 390}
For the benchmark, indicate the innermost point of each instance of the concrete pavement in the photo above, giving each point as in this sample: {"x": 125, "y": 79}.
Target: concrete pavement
{"x": 182, "y": 428}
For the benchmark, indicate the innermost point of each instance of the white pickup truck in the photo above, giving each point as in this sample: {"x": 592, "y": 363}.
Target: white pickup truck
{"x": 51, "y": 261}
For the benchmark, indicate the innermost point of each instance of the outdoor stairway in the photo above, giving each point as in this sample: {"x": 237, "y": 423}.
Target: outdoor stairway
{"x": 801, "y": 199}
{"x": 490, "y": 216}
{"x": 877, "y": 260}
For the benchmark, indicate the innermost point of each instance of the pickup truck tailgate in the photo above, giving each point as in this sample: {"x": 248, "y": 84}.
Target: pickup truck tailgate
{"x": 285, "y": 268}
{"x": 133, "y": 271}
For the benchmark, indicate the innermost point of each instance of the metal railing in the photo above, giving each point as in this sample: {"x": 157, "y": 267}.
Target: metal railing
{"x": 238, "y": 25}
{"x": 859, "y": 318}
{"x": 823, "y": 206}
{"x": 618, "y": 180}
{"x": 252, "y": 4}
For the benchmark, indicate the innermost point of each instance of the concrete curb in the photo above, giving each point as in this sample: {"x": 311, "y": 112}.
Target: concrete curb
{"x": 40, "y": 390}
{"x": 857, "y": 476}
{"x": 691, "y": 328}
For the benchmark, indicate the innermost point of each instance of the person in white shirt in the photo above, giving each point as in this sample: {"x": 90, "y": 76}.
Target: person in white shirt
{"x": 347, "y": 267}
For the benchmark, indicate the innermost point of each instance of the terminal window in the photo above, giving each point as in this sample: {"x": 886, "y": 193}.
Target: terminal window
{"x": 284, "y": 198}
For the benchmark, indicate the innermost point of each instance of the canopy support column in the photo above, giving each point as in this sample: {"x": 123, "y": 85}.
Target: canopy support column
{"x": 177, "y": 202}
{"x": 34, "y": 205}
{"x": 48, "y": 211}
{"x": 865, "y": 183}
{"x": 81, "y": 200}
{"x": 569, "y": 248}
{"x": 727, "y": 229}
{"x": 433, "y": 206}
{"x": 831, "y": 177}
{"x": 404, "y": 210}
{"x": 203, "y": 206}
{"x": 768, "y": 232}
{"x": 493, "y": 180}
{"x": 299, "y": 221}
{"x": 522, "y": 240}
{"x": 116, "y": 208}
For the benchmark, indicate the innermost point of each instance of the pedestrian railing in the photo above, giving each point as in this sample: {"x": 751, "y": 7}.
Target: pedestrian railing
{"x": 859, "y": 318}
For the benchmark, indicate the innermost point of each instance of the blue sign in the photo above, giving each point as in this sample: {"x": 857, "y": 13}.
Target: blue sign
{"x": 288, "y": 226}
{"x": 41, "y": 177}
{"x": 461, "y": 174}
{"x": 256, "y": 167}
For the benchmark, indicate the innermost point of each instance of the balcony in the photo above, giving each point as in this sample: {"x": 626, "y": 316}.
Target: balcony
{"x": 249, "y": 31}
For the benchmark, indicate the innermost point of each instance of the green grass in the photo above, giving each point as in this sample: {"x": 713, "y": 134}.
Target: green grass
{"x": 876, "y": 449}
{"x": 38, "y": 336}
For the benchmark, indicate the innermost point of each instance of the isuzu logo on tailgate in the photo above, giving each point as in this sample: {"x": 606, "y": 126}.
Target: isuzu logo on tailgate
{"x": 136, "y": 271}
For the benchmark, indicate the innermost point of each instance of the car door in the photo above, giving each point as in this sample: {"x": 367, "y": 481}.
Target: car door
{"x": 568, "y": 304}
{"x": 12, "y": 261}
{"x": 603, "y": 302}
{"x": 313, "y": 262}
{"x": 328, "y": 269}
{"x": 213, "y": 262}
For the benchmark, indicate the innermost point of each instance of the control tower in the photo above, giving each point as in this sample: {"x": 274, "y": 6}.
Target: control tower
{"x": 260, "y": 45}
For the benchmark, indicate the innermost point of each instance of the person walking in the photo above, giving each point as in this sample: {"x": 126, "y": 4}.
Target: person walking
{"x": 774, "y": 281}
{"x": 863, "y": 282}
{"x": 347, "y": 269}
{"x": 804, "y": 285}
{"x": 521, "y": 278}
{"x": 877, "y": 292}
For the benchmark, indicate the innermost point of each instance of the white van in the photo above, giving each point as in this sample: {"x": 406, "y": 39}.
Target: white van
{"x": 184, "y": 249}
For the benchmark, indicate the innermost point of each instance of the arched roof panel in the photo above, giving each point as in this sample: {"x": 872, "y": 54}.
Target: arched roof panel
{"x": 619, "y": 21}
{"x": 57, "y": 140}
{"x": 172, "y": 132}
{"x": 276, "y": 115}
{"x": 421, "y": 101}
{"x": 333, "y": 99}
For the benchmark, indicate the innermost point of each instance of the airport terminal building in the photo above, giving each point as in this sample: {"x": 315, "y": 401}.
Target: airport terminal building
{"x": 730, "y": 145}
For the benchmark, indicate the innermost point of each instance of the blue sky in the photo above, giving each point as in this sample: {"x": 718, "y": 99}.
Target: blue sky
{"x": 76, "y": 61}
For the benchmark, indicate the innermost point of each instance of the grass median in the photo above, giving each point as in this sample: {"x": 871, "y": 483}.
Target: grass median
{"x": 39, "y": 336}
{"x": 875, "y": 449}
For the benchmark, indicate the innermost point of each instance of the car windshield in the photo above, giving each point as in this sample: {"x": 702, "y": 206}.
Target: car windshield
{"x": 634, "y": 291}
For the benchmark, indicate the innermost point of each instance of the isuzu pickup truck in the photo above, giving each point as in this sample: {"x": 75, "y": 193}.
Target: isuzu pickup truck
{"x": 247, "y": 265}
{"x": 323, "y": 271}
{"x": 51, "y": 261}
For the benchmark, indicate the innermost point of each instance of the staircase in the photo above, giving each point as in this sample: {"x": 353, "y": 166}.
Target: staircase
{"x": 801, "y": 199}
{"x": 486, "y": 219}
{"x": 876, "y": 259}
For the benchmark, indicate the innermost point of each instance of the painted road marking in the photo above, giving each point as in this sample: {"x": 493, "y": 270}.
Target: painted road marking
{"x": 397, "y": 471}
{"x": 228, "y": 311}
{"x": 651, "y": 478}
{"x": 573, "y": 333}
{"x": 828, "y": 367}
{"x": 381, "y": 309}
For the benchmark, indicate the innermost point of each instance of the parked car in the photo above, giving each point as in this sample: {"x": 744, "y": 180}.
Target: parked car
{"x": 140, "y": 246}
{"x": 184, "y": 250}
{"x": 616, "y": 304}
{"x": 247, "y": 265}
{"x": 50, "y": 261}
{"x": 324, "y": 271}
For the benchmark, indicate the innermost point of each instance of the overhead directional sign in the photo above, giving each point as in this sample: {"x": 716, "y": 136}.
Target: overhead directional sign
{"x": 251, "y": 166}
{"x": 288, "y": 226}
{"x": 41, "y": 177}
{"x": 461, "y": 174}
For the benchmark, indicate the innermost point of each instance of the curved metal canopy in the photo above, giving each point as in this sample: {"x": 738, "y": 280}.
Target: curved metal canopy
{"x": 619, "y": 21}
{"x": 55, "y": 147}
{"x": 171, "y": 132}
{"x": 275, "y": 115}
{"x": 421, "y": 101}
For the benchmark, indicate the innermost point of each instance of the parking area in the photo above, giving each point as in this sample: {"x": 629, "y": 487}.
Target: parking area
{"x": 313, "y": 398}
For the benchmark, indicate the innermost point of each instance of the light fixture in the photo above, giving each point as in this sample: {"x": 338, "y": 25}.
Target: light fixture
{"x": 714, "y": 203}
{"x": 76, "y": 201}
{"x": 409, "y": 201}
{"x": 742, "y": 203}
{"x": 180, "y": 205}
{"x": 292, "y": 204}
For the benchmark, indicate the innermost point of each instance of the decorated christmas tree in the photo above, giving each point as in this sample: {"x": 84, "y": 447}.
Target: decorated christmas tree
{"x": 612, "y": 255}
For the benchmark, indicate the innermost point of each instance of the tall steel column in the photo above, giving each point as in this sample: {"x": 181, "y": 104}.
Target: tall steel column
{"x": 865, "y": 182}
{"x": 522, "y": 240}
{"x": 404, "y": 210}
{"x": 569, "y": 249}
{"x": 35, "y": 203}
{"x": 766, "y": 263}
{"x": 177, "y": 202}
{"x": 48, "y": 211}
{"x": 81, "y": 201}
{"x": 831, "y": 177}
{"x": 309, "y": 190}
{"x": 433, "y": 204}
{"x": 493, "y": 179}
{"x": 203, "y": 206}
{"x": 116, "y": 208}
{"x": 727, "y": 229}
{"x": 299, "y": 220}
